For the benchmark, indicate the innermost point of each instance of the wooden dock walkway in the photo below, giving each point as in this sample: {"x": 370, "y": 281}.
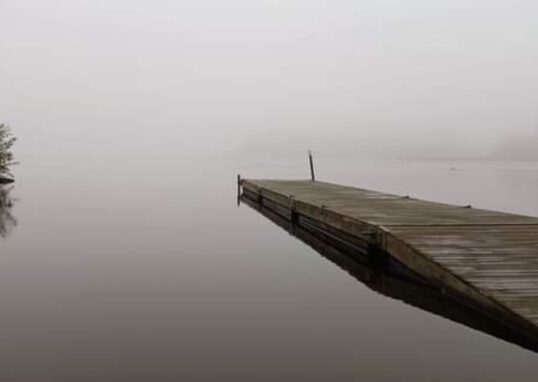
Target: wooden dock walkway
{"x": 487, "y": 259}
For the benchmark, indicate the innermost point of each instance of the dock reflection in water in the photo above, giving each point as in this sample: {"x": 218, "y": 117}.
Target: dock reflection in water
{"x": 387, "y": 276}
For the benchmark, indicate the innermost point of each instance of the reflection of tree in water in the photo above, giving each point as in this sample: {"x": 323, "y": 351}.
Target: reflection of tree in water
{"x": 7, "y": 220}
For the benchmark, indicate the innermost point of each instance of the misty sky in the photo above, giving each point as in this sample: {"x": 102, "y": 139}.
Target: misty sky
{"x": 172, "y": 78}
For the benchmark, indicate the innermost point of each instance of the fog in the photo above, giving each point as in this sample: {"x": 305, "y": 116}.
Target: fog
{"x": 125, "y": 255}
{"x": 167, "y": 79}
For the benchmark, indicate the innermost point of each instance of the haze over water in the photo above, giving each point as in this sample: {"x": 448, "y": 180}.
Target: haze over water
{"x": 173, "y": 79}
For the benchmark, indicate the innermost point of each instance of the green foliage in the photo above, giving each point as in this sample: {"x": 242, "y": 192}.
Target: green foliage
{"x": 7, "y": 140}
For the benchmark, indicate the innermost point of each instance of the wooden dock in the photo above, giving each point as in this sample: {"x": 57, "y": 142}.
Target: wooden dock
{"x": 485, "y": 259}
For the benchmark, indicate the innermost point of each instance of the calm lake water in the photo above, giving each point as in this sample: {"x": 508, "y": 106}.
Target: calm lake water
{"x": 148, "y": 271}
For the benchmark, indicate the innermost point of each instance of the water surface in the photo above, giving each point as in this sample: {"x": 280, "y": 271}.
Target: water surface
{"x": 137, "y": 271}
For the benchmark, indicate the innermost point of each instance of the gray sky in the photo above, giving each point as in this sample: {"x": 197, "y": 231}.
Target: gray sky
{"x": 171, "y": 78}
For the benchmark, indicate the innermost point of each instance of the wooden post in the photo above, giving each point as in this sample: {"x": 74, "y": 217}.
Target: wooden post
{"x": 313, "y": 177}
{"x": 238, "y": 190}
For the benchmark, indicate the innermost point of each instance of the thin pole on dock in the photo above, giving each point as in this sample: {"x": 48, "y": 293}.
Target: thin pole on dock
{"x": 311, "y": 166}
